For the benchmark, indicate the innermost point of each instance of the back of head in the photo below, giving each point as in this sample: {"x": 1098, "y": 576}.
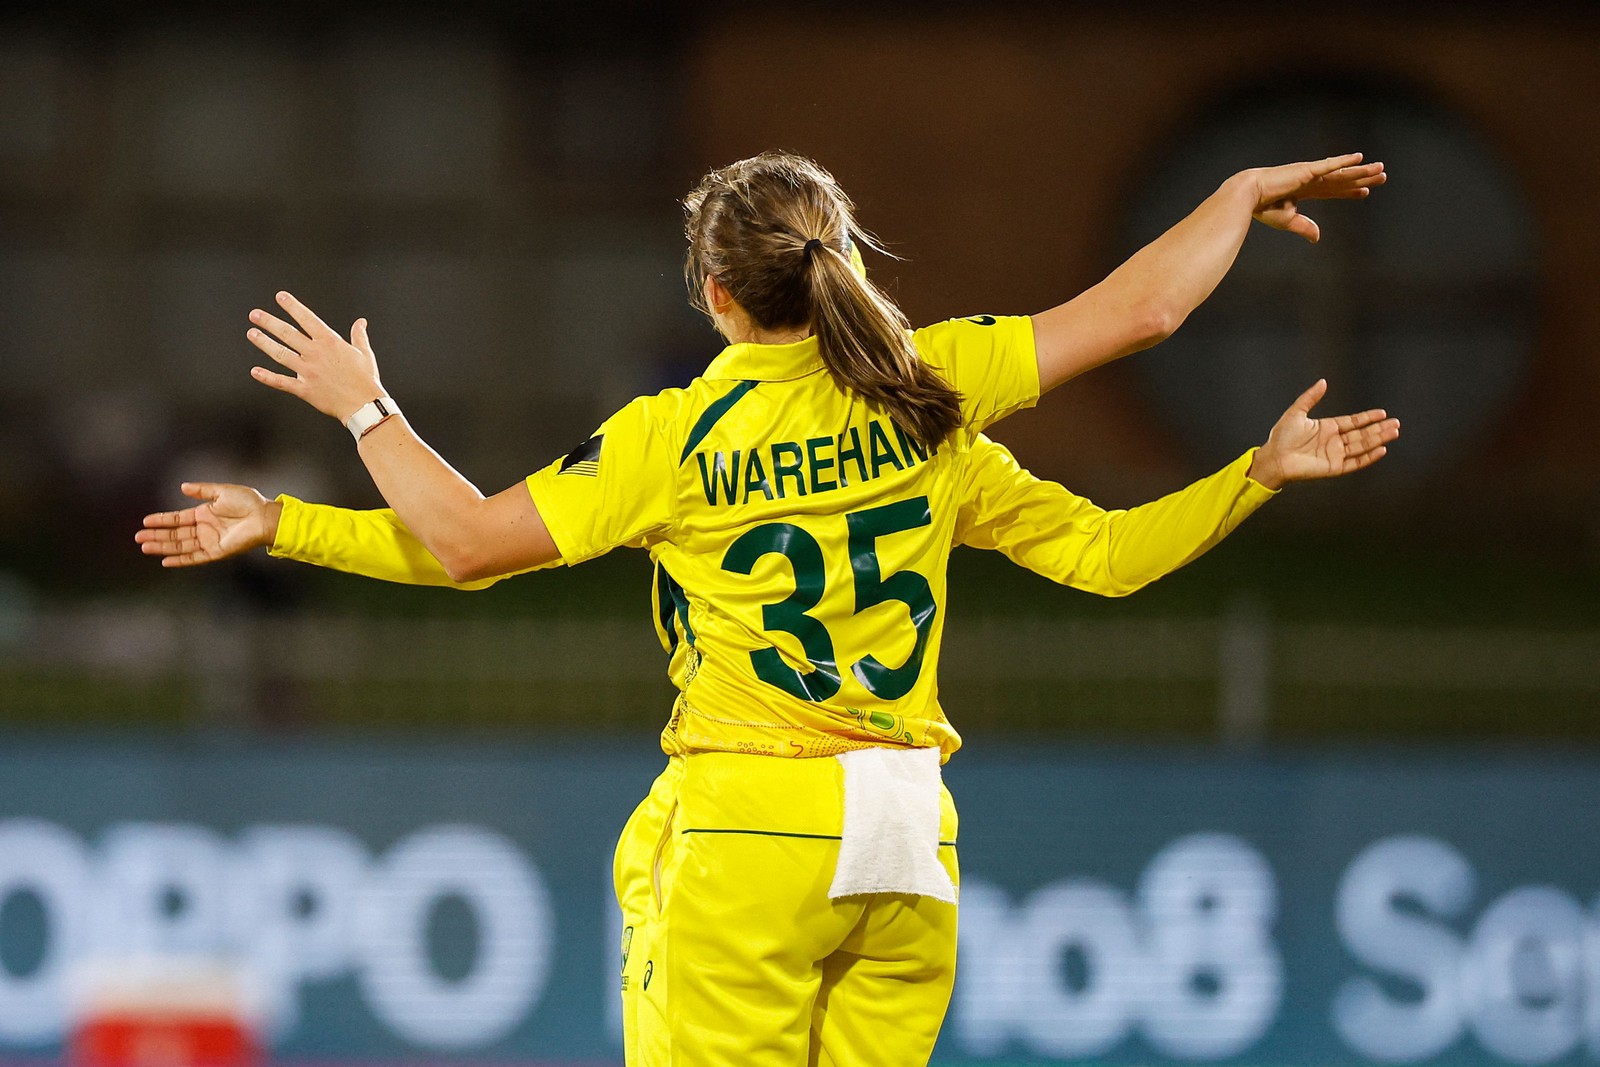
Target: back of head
{"x": 777, "y": 232}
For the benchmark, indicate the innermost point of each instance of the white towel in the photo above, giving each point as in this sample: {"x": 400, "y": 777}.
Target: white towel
{"x": 890, "y": 842}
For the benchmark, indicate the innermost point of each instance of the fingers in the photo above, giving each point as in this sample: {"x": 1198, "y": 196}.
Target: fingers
{"x": 166, "y": 542}
{"x": 1309, "y": 399}
{"x": 358, "y": 337}
{"x": 201, "y": 490}
{"x": 283, "y": 383}
{"x": 1346, "y": 183}
{"x": 177, "y": 548}
{"x": 1373, "y": 174}
{"x": 1333, "y": 163}
{"x": 1366, "y": 174}
{"x": 174, "y": 548}
{"x": 1357, "y": 442}
{"x": 169, "y": 519}
{"x": 188, "y": 559}
{"x": 292, "y": 339}
{"x": 1346, "y": 423}
{"x": 1304, "y": 226}
{"x": 1375, "y": 421}
{"x": 282, "y": 354}
{"x": 1337, "y": 163}
{"x": 1351, "y": 191}
{"x": 1364, "y": 447}
{"x": 1285, "y": 216}
{"x": 1352, "y": 183}
{"x": 313, "y": 326}
{"x": 1351, "y": 463}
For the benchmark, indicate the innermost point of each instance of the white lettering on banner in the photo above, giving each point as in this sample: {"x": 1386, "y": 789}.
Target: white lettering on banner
{"x": 1215, "y": 978}
{"x": 1418, "y": 948}
{"x": 490, "y": 874}
{"x": 1093, "y": 920}
{"x": 160, "y": 891}
{"x": 293, "y": 897}
{"x": 1194, "y": 965}
{"x": 49, "y": 862}
{"x": 290, "y": 904}
{"x": 1526, "y": 982}
{"x": 1522, "y": 975}
{"x": 1591, "y": 981}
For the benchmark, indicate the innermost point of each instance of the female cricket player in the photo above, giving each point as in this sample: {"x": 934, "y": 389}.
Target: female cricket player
{"x": 800, "y": 500}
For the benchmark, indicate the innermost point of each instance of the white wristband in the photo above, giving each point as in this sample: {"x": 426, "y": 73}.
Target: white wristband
{"x": 369, "y": 415}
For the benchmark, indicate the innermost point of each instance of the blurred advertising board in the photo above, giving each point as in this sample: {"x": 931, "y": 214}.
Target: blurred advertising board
{"x": 450, "y": 903}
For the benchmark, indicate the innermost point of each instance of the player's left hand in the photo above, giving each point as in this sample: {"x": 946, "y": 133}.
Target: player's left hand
{"x": 1301, "y": 448}
{"x": 335, "y": 376}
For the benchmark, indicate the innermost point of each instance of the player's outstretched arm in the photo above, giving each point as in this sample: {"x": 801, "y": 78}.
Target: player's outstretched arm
{"x": 1143, "y": 301}
{"x": 369, "y": 543}
{"x": 232, "y": 519}
{"x": 1041, "y": 525}
{"x": 471, "y": 535}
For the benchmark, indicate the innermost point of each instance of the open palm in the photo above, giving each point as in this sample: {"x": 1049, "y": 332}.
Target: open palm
{"x": 232, "y": 520}
{"x": 1301, "y": 448}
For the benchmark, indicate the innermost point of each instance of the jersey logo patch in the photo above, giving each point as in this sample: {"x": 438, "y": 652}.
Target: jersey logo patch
{"x": 585, "y": 459}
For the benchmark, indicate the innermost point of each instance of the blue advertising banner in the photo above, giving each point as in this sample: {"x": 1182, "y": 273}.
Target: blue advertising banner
{"x": 451, "y": 902}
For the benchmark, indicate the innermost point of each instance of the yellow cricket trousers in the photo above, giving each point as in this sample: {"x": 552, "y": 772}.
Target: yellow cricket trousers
{"x": 732, "y": 953}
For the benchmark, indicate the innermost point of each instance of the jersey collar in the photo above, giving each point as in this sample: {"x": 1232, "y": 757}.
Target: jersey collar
{"x": 767, "y": 363}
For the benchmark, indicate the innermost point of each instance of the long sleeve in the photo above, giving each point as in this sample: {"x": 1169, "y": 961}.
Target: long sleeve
{"x": 374, "y": 544}
{"x": 1068, "y": 539}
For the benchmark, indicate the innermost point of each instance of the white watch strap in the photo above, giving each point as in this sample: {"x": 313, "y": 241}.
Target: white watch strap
{"x": 369, "y": 415}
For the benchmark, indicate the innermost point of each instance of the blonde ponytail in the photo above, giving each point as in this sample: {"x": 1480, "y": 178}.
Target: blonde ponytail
{"x": 777, "y": 231}
{"x": 865, "y": 343}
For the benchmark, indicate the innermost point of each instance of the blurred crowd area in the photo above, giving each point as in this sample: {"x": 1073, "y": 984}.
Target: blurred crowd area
{"x": 495, "y": 187}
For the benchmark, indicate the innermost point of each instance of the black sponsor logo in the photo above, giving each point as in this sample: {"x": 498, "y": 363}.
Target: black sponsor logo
{"x": 585, "y": 459}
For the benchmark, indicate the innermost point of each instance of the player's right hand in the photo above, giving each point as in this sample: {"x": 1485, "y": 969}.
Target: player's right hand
{"x": 233, "y": 519}
{"x": 1279, "y": 190}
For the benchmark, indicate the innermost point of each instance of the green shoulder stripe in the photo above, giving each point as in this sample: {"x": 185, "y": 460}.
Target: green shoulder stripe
{"x": 711, "y": 415}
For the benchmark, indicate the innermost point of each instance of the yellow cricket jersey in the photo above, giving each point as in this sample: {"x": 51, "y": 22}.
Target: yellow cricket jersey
{"x": 994, "y": 504}
{"x": 1051, "y": 531}
{"x": 799, "y": 538}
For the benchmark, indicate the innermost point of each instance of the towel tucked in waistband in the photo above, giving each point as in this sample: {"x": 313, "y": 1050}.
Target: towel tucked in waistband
{"x": 890, "y": 842}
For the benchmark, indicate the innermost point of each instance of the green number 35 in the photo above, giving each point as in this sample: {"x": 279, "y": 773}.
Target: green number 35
{"x": 791, "y": 615}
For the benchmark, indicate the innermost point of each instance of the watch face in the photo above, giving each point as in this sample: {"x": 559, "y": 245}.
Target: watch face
{"x": 1419, "y": 299}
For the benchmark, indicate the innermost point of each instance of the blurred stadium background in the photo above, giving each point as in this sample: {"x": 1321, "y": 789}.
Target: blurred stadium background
{"x": 1366, "y": 726}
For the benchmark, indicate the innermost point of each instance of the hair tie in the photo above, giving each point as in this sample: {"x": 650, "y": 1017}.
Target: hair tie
{"x": 813, "y": 245}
